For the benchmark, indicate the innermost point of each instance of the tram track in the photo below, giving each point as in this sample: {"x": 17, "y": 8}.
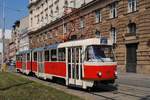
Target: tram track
{"x": 113, "y": 98}
{"x": 103, "y": 93}
{"x": 119, "y": 92}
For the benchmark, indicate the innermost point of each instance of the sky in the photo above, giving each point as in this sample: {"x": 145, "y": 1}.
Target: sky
{"x": 15, "y": 10}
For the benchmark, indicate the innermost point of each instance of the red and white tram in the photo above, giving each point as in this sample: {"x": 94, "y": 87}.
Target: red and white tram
{"x": 81, "y": 63}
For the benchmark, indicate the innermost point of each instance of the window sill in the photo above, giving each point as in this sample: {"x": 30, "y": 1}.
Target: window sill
{"x": 81, "y": 28}
{"x": 112, "y": 18}
{"x": 130, "y": 34}
{"x": 95, "y": 23}
{"x": 128, "y": 13}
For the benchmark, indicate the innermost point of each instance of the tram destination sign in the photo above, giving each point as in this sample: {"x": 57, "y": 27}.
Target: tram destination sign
{"x": 104, "y": 40}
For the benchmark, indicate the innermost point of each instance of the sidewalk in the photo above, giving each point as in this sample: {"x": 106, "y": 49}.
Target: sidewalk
{"x": 134, "y": 79}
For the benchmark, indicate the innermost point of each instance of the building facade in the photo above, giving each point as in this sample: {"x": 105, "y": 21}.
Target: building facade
{"x": 12, "y": 50}
{"x": 125, "y": 22}
{"x": 19, "y": 37}
{"x": 14, "y": 41}
{"x": 43, "y": 12}
{"x": 23, "y": 34}
{"x": 16, "y": 34}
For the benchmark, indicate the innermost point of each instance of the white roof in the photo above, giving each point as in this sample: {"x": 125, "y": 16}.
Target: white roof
{"x": 85, "y": 42}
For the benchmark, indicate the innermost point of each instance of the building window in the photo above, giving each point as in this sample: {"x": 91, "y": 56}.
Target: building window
{"x": 113, "y": 34}
{"x": 113, "y": 10}
{"x": 31, "y": 22}
{"x": 132, "y": 28}
{"x": 42, "y": 19}
{"x": 97, "y": 33}
{"x": 57, "y": 9}
{"x": 81, "y": 22}
{"x": 132, "y": 5}
{"x": 66, "y": 4}
{"x": 51, "y": 13}
{"x": 98, "y": 16}
{"x": 65, "y": 28}
{"x": 38, "y": 19}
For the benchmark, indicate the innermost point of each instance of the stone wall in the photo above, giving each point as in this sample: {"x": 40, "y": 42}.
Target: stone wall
{"x": 141, "y": 17}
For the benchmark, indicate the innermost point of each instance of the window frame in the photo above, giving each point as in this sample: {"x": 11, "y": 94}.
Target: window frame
{"x": 36, "y": 56}
{"x": 55, "y": 55}
{"x": 81, "y": 22}
{"x": 98, "y": 16}
{"x": 132, "y": 28}
{"x": 132, "y": 8}
{"x": 28, "y": 57}
{"x": 113, "y": 10}
{"x": 46, "y": 59}
{"x": 65, "y": 28}
{"x": 113, "y": 34}
{"x": 63, "y": 59}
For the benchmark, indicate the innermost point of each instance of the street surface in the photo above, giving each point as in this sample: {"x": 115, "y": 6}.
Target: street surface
{"x": 129, "y": 88}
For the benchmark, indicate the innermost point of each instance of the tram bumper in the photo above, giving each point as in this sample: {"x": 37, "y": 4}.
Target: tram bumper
{"x": 103, "y": 74}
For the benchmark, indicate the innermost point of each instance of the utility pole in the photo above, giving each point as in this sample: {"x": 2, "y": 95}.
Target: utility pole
{"x": 3, "y": 32}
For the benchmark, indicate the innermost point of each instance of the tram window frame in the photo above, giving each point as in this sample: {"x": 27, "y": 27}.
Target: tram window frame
{"x": 34, "y": 56}
{"x": 54, "y": 53}
{"x": 47, "y": 56}
{"x": 18, "y": 57}
{"x": 24, "y": 59}
{"x": 28, "y": 56}
{"x": 21, "y": 57}
{"x": 62, "y": 54}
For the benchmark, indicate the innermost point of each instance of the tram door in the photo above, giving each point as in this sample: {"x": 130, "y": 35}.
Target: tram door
{"x": 40, "y": 62}
{"x": 24, "y": 61}
{"x": 75, "y": 66}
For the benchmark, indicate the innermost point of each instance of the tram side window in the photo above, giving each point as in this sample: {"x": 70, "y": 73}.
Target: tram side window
{"x": 61, "y": 54}
{"x": 18, "y": 58}
{"x": 53, "y": 55}
{"x": 46, "y": 55}
{"x": 35, "y": 56}
{"x": 24, "y": 57}
{"x": 28, "y": 56}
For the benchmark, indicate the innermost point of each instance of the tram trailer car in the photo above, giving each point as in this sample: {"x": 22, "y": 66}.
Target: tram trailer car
{"x": 23, "y": 61}
{"x": 82, "y": 63}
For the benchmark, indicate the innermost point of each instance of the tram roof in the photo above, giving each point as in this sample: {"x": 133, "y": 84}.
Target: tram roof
{"x": 38, "y": 49}
{"x": 85, "y": 42}
{"x": 54, "y": 46}
{"x": 23, "y": 52}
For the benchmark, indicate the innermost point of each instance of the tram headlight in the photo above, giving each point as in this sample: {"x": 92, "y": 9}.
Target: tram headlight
{"x": 99, "y": 74}
{"x": 116, "y": 73}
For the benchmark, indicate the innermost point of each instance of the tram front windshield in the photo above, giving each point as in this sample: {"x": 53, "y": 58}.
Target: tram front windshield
{"x": 100, "y": 53}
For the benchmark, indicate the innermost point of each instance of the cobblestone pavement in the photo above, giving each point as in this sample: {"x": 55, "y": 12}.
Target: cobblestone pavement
{"x": 102, "y": 92}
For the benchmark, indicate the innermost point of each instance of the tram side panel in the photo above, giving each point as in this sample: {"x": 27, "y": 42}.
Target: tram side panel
{"x": 57, "y": 69}
{"x": 18, "y": 65}
{"x": 28, "y": 69}
{"x": 34, "y": 66}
